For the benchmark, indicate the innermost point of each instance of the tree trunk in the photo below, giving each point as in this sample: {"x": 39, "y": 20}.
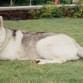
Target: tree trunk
{"x": 57, "y": 2}
{"x": 11, "y": 3}
{"x": 30, "y": 3}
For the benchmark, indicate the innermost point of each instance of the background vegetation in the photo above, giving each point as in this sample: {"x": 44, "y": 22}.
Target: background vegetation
{"x": 46, "y": 11}
{"x": 56, "y": 12}
{"x": 27, "y": 2}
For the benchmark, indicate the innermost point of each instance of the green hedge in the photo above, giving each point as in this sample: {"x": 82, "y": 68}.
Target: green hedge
{"x": 47, "y": 11}
{"x": 57, "y": 12}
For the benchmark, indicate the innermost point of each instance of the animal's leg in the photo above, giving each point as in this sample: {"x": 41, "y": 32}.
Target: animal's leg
{"x": 43, "y": 61}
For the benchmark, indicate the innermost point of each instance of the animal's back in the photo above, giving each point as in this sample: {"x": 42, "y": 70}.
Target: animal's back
{"x": 30, "y": 40}
{"x": 58, "y": 46}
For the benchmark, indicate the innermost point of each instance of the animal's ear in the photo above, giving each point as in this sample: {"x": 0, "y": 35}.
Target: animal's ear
{"x": 1, "y": 21}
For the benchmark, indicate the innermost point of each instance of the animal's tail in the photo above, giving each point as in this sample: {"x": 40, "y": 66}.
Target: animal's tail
{"x": 1, "y": 21}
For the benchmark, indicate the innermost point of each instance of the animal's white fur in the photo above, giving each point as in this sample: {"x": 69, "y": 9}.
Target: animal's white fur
{"x": 53, "y": 49}
{"x": 13, "y": 48}
{"x": 58, "y": 49}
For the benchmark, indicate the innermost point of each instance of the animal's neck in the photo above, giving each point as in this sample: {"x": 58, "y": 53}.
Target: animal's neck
{"x": 6, "y": 39}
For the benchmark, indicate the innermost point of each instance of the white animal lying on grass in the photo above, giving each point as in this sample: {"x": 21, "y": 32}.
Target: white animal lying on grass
{"x": 38, "y": 46}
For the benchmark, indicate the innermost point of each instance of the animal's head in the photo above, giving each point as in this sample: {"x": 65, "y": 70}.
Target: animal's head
{"x": 2, "y": 31}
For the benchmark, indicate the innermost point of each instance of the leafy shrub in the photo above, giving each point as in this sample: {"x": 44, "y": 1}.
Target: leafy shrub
{"x": 80, "y": 1}
{"x": 35, "y": 13}
{"x": 44, "y": 12}
{"x": 78, "y": 12}
{"x": 48, "y": 11}
{"x": 57, "y": 12}
{"x": 68, "y": 11}
{"x": 66, "y": 1}
{"x": 51, "y": 11}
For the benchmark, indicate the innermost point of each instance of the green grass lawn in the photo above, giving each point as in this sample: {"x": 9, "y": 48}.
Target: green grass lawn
{"x": 28, "y": 71}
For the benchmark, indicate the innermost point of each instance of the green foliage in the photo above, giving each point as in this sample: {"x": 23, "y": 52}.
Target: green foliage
{"x": 57, "y": 12}
{"x": 51, "y": 11}
{"x": 47, "y": 12}
{"x": 69, "y": 11}
{"x": 79, "y": 11}
{"x": 34, "y": 2}
{"x": 22, "y": 2}
{"x": 40, "y": 2}
{"x": 4, "y": 2}
{"x": 50, "y": 3}
{"x": 35, "y": 13}
{"x": 65, "y": 1}
{"x": 81, "y": 1}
